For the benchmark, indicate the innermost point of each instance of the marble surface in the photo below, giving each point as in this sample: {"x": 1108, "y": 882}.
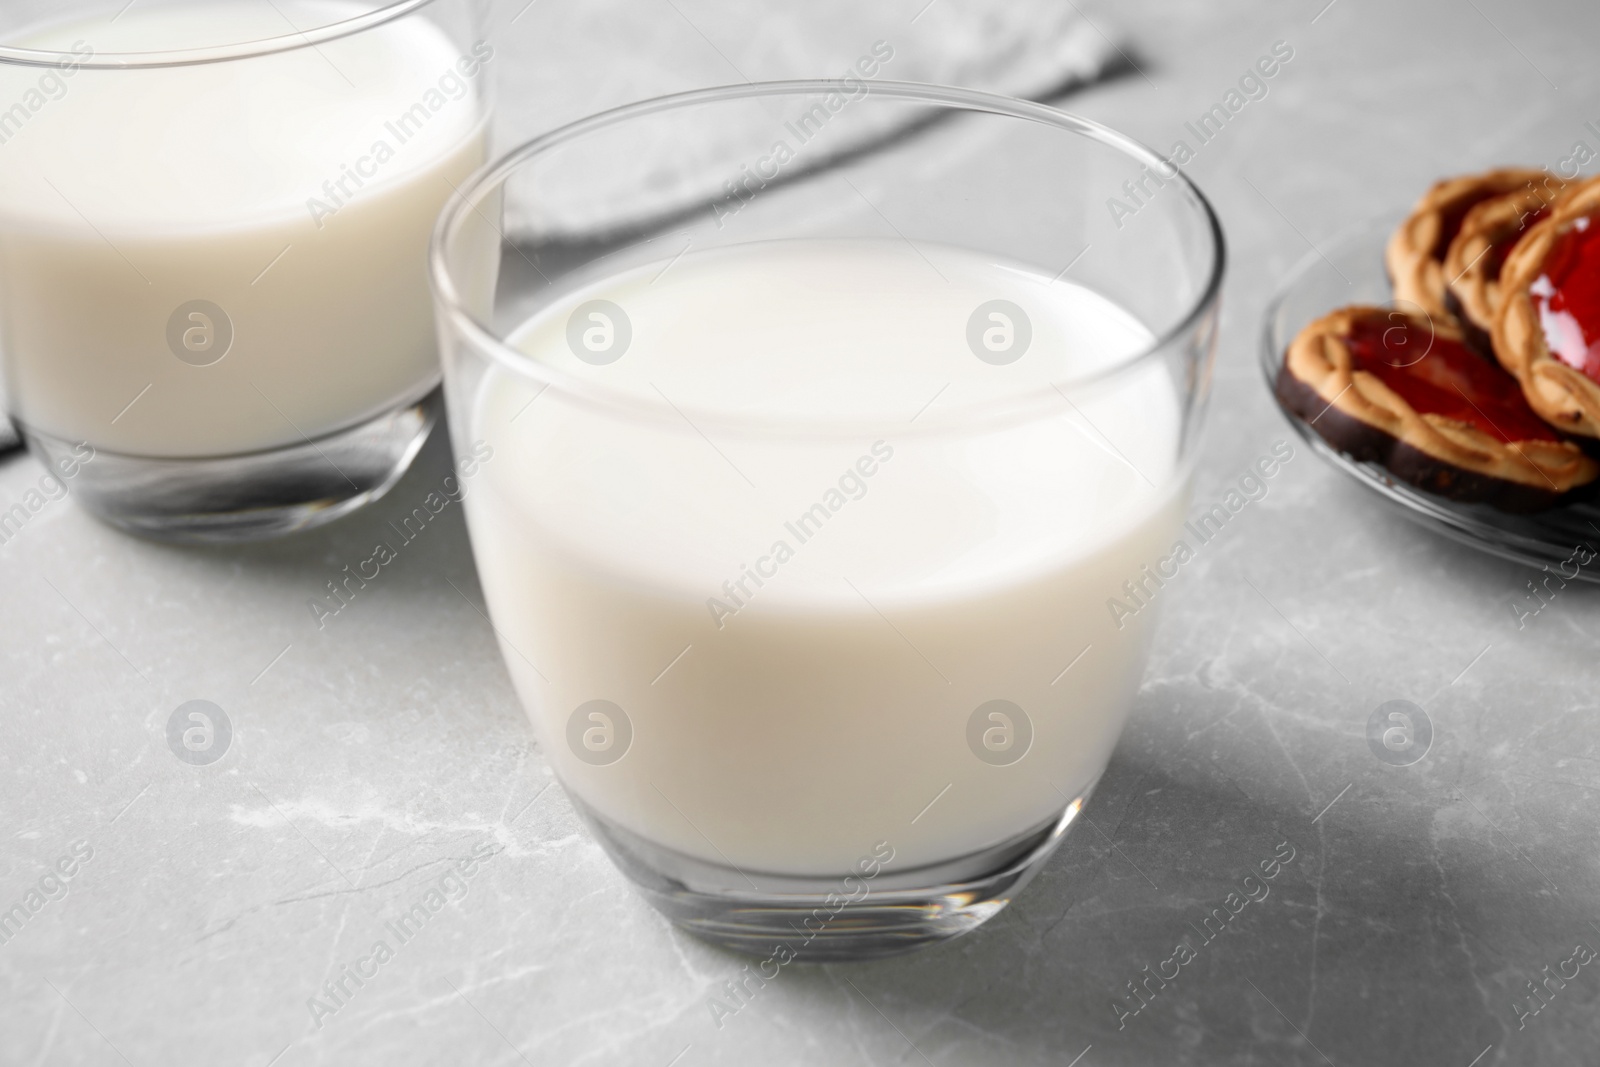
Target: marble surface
{"x": 207, "y": 904}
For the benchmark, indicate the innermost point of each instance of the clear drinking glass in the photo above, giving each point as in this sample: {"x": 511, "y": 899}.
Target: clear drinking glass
{"x": 822, "y": 498}
{"x": 214, "y": 219}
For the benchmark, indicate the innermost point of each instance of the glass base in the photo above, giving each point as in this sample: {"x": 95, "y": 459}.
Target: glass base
{"x": 894, "y": 911}
{"x": 247, "y": 497}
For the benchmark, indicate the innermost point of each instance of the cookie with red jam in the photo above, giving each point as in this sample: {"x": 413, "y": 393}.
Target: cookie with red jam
{"x": 1395, "y": 388}
{"x": 1416, "y": 252}
{"x": 1477, "y": 256}
{"x": 1547, "y": 331}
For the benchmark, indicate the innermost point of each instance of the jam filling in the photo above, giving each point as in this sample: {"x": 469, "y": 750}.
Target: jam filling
{"x": 1567, "y": 296}
{"x": 1437, "y": 376}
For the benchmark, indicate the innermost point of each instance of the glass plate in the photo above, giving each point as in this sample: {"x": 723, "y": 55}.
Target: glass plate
{"x": 1350, "y": 271}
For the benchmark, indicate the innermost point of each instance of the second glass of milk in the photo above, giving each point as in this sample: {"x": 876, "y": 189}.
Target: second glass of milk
{"x": 214, "y": 220}
{"x": 824, "y": 499}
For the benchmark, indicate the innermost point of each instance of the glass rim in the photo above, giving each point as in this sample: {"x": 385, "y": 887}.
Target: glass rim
{"x": 188, "y": 57}
{"x": 492, "y": 176}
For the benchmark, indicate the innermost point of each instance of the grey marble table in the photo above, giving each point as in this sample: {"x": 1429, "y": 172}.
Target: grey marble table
{"x": 208, "y": 905}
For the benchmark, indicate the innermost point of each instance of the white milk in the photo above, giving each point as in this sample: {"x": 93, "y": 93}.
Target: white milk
{"x": 126, "y": 194}
{"x": 831, "y": 707}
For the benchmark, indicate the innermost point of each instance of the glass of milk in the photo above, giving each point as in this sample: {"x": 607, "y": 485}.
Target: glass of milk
{"x": 823, "y": 498}
{"x": 214, "y": 219}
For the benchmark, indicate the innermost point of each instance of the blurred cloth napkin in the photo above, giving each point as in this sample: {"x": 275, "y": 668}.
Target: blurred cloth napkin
{"x": 567, "y": 58}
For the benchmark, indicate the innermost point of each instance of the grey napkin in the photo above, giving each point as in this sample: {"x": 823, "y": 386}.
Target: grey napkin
{"x": 567, "y": 58}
